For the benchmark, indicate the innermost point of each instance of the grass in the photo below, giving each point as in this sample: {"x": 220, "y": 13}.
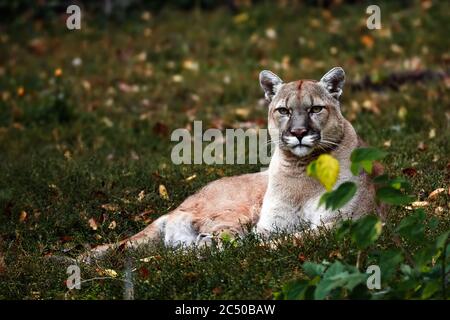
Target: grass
{"x": 86, "y": 143}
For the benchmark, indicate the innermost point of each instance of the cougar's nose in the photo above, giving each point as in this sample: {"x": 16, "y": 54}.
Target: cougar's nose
{"x": 299, "y": 133}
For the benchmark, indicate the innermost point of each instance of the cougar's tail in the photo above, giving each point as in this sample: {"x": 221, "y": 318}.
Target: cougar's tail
{"x": 152, "y": 233}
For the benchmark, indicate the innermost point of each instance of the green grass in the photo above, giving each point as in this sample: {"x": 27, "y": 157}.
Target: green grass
{"x": 71, "y": 144}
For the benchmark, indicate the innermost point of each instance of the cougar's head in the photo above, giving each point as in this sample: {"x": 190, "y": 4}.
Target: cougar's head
{"x": 304, "y": 115}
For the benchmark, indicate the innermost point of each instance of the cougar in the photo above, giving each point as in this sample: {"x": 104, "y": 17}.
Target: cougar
{"x": 304, "y": 120}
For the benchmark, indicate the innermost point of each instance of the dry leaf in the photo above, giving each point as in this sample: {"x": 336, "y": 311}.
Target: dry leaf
{"x": 420, "y": 204}
{"x": 163, "y": 192}
{"x": 112, "y": 225}
{"x": 422, "y": 146}
{"x": 190, "y": 65}
{"x": 217, "y": 291}
{"x": 432, "y": 133}
{"x": 367, "y": 41}
{"x": 410, "y": 172}
{"x": 402, "y": 112}
{"x": 141, "y": 196}
{"x": 23, "y": 216}
{"x": 242, "y": 112}
{"x": 191, "y": 177}
{"x": 2, "y": 264}
{"x": 93, "y": 224}
{"x": 109, "y": 207}
{"x": 434, "y": 194}
{"x": 110, "y": 272}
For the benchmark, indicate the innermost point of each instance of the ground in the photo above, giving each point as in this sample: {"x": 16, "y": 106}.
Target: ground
{"x": 86, "y": 118}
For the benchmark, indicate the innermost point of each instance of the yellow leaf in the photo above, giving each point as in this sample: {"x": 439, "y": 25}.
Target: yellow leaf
{"x": 327, "y": 170}
{"x": 163, "y": 192}
{"x": 110, "y": 272}
{"x": 240, "y": 18}
{"x": 191, "y": 177}
{"x": 402, "y": 112}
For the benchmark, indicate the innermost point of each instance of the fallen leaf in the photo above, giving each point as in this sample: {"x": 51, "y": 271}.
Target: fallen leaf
{"x": 23, "y": 216}
{"x": 367, "y": 41}
{"x": 20, "y": 91}
{"x": 410, "y": 172}
{"x": 109, "y": 207}
{"x": 242, "y": 112}
{"x": 190, "y": 65}
{"x": 2, "y": 264}
{"x": 163, "y": 192}
{"x": 335, "y": 254}
{"x": 422, "y": 146}
{"x": 191, "y": 177}
{"x": 112, "y": 225}
{"x": 177, "y": 78}
{"x": 432, "y": 133}
{"x": 58, "y": 72}
{"x": 143, "y": 272}
{"x": 271, "y": 33}
{"x": 240, "y": 18}
{"x": 93, "y": 224}
{"x": 434, "y": 194}
{"x": 141, "y": 196}
{"x": 402, "y": 112}
{"x": 420, "y": 204}
{"x": 110, "y": 272}
{"x": 160, "y": 129}
{"x": 217, "y": 291}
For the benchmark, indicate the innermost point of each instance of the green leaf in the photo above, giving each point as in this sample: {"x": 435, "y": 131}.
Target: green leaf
{"x": 367, "y": 154}
{"x": 389, "y": 261}
{"x": 396, "y": 183}
{"x": 413, "y": 227}
{"x": 338, "y": 276}
{"x": 338, "y": 198}
{"x": 441, "y": 240}
{"x": 343, "y": 229}
{"x": 366, "y": 231}
{"x": 423, "y": 257}
{"x": 393, "y": 196}
{"x": 367, "y": 165}
{"x": 364, "y": 158}
{"x": 430, "y": 289}
{"x": 312, "y": 269}
{"x": 325, "y": 169}
{"x": 293, "y": 290}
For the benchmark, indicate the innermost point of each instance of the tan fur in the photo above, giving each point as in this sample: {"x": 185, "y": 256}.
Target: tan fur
{"x": 233, "y": 203}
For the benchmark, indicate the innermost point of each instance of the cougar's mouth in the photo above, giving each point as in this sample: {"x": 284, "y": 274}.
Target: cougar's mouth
{"x": 307, "y": 141}
{"x": 301, "y": 147}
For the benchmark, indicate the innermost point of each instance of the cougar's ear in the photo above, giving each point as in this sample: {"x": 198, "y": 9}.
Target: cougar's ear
{"x": 333, "y": 81}
{"x": 270, "y": 83}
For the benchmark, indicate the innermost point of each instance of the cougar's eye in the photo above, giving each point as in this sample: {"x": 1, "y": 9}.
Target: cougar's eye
{"x": 283, "y": 111}
{"x": 315, "y": 109}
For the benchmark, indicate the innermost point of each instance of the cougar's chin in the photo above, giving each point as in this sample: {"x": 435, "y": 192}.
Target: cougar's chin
{"x": 301, "y": 150}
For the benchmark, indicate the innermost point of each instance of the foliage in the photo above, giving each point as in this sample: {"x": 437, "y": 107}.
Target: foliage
{"x": 423, "y": 277}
